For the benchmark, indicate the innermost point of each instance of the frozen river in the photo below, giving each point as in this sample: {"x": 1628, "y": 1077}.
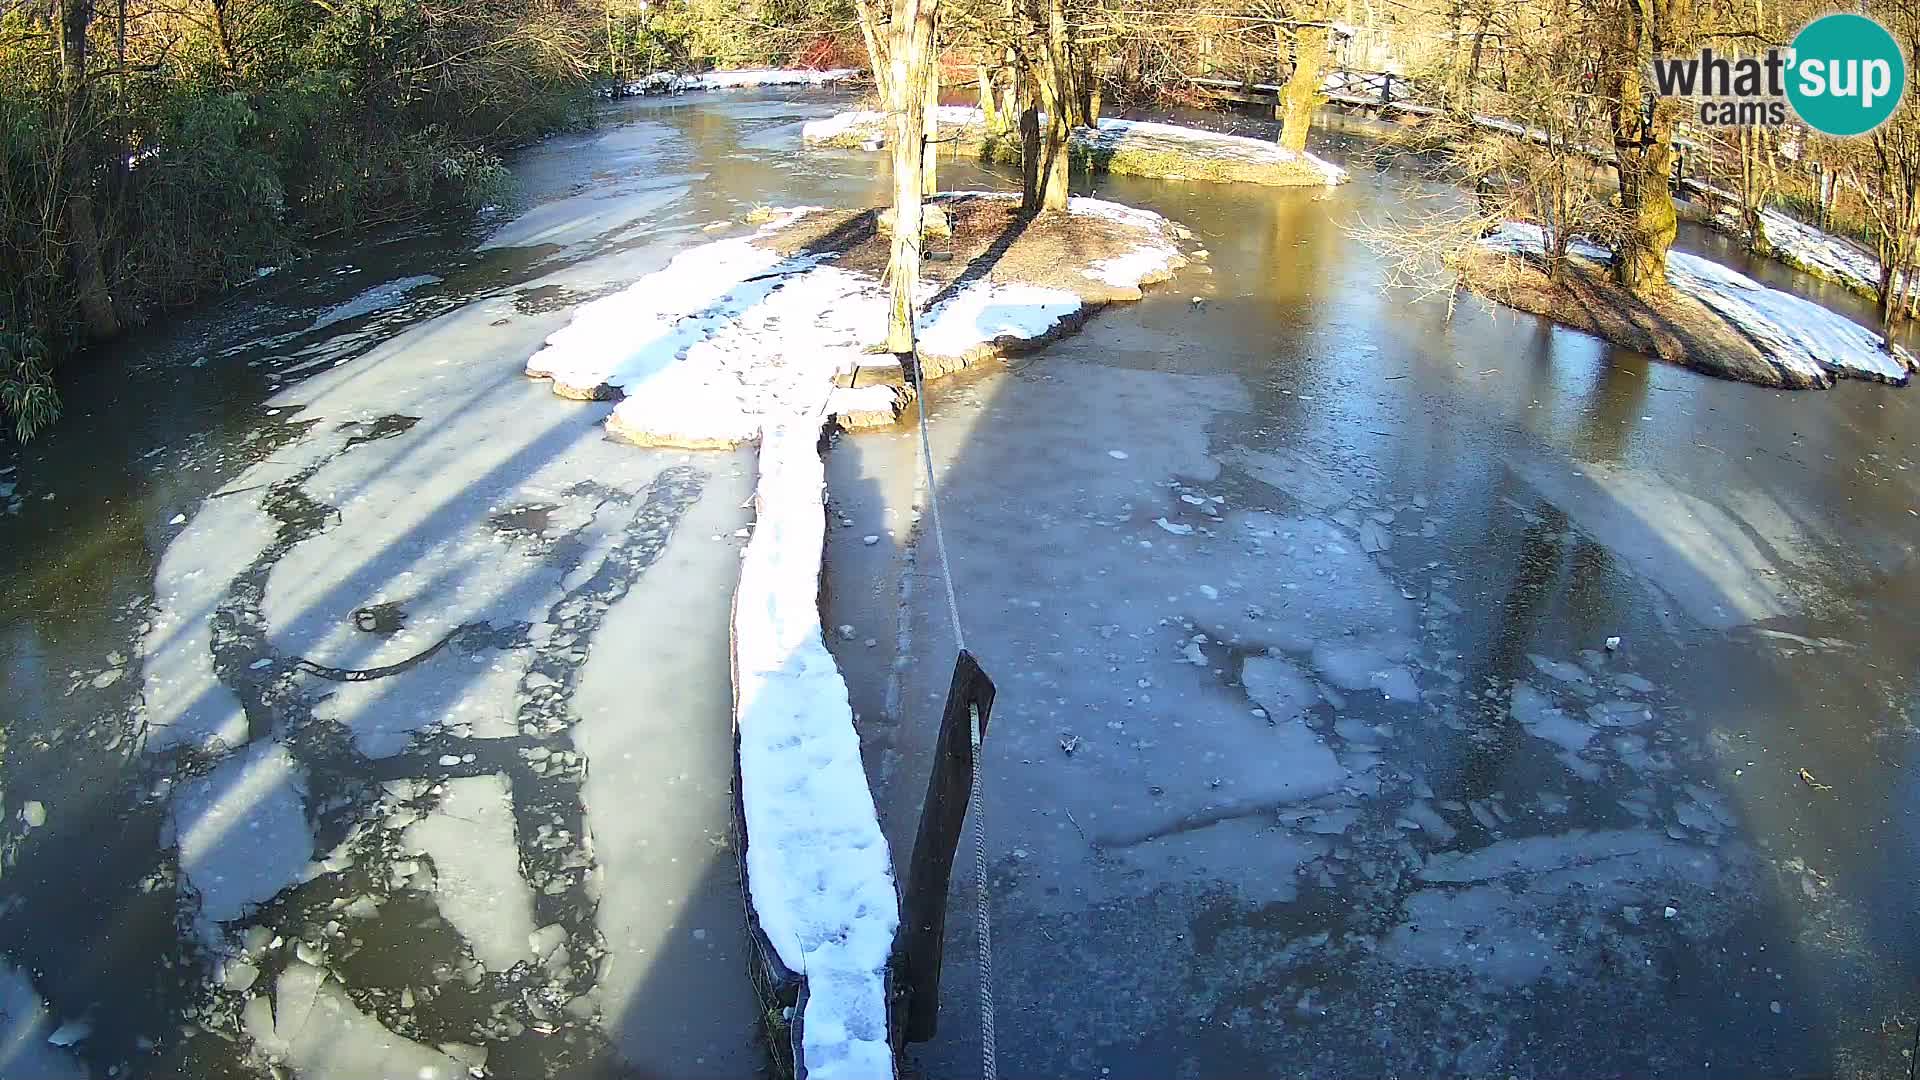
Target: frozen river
{"x": 367, "y": 711}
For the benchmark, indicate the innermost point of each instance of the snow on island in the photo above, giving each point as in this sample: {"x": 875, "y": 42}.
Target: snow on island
{"x": 1132, "y": 147}
{"x": 758, "y": 337}
{"x": 668, "y": 82}
{"x": 1780, "y": 339}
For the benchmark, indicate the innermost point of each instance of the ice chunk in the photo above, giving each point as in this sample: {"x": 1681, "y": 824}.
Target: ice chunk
{"x": 25, "y": 1028}
{"x": 242, "y": 831}
{"x": 314, "y": 1026}
{"x": 1278, "y": 686}
{"x": 1535, "y": 712}
{"x": 1362, "y": 667}
{"x": 478, "y": 886}
{"x": 1297, "y": 473}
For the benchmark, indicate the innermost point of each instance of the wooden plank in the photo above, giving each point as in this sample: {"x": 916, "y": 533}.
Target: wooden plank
{"x": 923, "y": 915}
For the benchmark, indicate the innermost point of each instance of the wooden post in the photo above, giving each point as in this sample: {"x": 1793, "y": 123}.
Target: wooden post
{"x": 949, "y": 788}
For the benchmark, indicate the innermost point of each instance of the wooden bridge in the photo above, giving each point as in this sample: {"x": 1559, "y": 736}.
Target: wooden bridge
{"x": 1386, "y": 92}
{"x": 1382, "y": 91}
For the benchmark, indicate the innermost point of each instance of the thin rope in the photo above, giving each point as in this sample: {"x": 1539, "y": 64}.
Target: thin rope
{"x": 933, "y": 504}
{"x": 976, "y": 805}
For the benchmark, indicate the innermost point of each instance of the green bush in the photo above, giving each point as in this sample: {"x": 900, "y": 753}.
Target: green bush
{"x": 216, "y": 149}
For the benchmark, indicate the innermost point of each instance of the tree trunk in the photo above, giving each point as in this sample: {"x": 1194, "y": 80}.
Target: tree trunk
{"x": 1643, "y": 147}
{"x": 1030, "y": 193}
{"x": 84, "y": 254}
{"x": 1646, "y": 198}
{"x": 1302, "y": 91}
{"x": 906, "y": 47}
{"x": 223, "y": 37}
{"x": 1058, "y": 132}
{"x": 1473, "y": 64}
{"x": 1457, "y": 60}
{"x": 930, "y": 159}
{"x": 1050, "y": 79}
{"x": 1051, "y": 168}
{"x": 1279, "y": 68}
{"x": 990, "y": 102}
{"x": 1086, "y": 95}
{"x": 903, "y": 266}
{"x": 1889, "y": 298}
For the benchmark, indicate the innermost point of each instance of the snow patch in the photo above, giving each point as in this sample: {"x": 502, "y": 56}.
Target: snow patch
{"x": 817, "y": 864}
{"x": 1799, "y": 244}
{"x": 985, "y": 313}
{"x": 629, "y": 337}
{"x": 1796, "y": 334}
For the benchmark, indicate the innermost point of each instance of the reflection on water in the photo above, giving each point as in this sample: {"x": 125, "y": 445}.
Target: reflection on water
{"x": 1560, "y": 829}
{"x": 1754, "y": 551}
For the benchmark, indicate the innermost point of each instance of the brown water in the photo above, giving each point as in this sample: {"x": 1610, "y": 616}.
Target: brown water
{"x": 1754, "y": 550}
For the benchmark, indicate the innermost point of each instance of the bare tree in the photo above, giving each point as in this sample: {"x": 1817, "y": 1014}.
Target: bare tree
{"x": 84, "y": 248}
{"x": 901, "y": 53}
{"x": 1643, "y": 129}
{"x": 1301, "y": 95}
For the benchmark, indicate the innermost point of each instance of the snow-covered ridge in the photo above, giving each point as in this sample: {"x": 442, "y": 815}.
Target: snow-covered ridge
{"x": 732, "y": 342}
{"x": 1797, "y": 334}
{"x": 667, "y": 82}
{"x": 1140, "y": 147}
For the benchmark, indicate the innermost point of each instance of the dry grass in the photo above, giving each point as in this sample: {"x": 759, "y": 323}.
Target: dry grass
{"x": 1673, "y": 327}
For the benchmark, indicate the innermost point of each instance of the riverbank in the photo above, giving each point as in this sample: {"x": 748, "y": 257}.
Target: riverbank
{"x": 1124, "y": 147}
{"x": 1753, "y": 550}
{"x": 1711, "y": 319}
{"x": 1792, "y": 242}
{"x": 764, "y": 337}
{"x": 674, "y": 82}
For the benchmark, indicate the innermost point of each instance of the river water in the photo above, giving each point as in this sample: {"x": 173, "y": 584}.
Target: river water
{"x": 366, "y": 709}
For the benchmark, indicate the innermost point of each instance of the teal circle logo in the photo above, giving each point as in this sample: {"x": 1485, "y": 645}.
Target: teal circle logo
{"x": 1846, "y": 74}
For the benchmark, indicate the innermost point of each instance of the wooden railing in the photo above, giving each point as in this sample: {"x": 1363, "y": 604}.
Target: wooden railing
{"x": 1347, "y": 86}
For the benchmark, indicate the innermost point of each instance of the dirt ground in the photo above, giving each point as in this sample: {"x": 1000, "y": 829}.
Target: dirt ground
{"x": 1673, "y": 327}
{"x": 989, "y": 239}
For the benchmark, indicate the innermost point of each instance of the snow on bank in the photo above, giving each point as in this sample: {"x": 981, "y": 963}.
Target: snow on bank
{"x": 667, "y": 82}
{"x": 818, "y": 870}
{"x": 621, "y": 341}
{"x": 1798, "y": 244}
{"x": 1150, "y": 261}
{"x": 1116, "y": 135}
{"x": 1796, "y": 334}
{"x": 1138, "y": 147}
{"x": 732, "y": 342}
